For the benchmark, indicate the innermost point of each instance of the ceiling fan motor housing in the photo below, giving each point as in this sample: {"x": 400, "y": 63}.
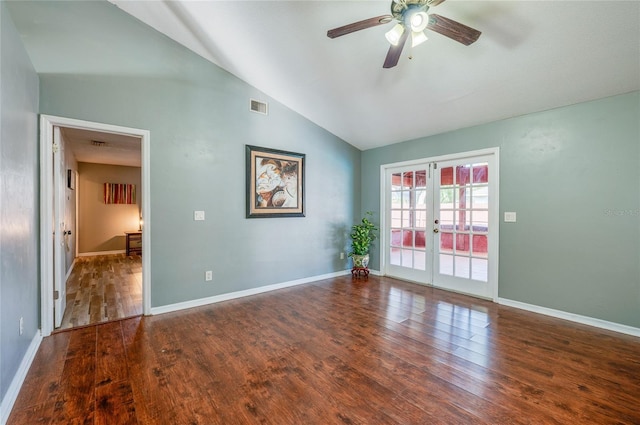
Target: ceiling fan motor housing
{"x": 404, "y": 10}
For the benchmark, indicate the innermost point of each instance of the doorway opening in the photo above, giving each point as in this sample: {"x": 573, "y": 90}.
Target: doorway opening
{"x": 88, "y": 274}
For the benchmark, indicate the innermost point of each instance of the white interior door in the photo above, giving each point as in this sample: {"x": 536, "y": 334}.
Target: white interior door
{"x": 59, "y": 183}
{"x": 465, "y": 221}
{"x": 407, "y": 217}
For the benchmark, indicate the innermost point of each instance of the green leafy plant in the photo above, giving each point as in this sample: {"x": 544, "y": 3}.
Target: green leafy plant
{"x": 362, "y": 235}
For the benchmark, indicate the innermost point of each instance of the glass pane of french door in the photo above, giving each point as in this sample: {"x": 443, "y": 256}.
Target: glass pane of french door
{"x": 462, "y": 230}
{"x": 407, "y": 217}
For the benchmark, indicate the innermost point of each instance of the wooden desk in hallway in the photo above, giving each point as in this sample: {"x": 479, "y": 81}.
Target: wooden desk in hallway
{"x": 133, "y": 242}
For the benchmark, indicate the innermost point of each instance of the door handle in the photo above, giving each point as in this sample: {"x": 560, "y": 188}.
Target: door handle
{"x": 436, "y": 231}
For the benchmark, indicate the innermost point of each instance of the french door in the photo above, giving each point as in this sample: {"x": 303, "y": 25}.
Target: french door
{"x": 407, "y": 222}
{"x": 441, "y": 223}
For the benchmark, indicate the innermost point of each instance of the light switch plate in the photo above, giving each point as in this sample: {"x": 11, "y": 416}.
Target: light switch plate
{"x": 509, "y": 217}
{"x": 198, "y": 215}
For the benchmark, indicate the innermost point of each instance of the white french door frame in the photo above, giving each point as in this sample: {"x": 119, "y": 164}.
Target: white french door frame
{"x": 47, "y": 125}
{"x": 494, "y": 209}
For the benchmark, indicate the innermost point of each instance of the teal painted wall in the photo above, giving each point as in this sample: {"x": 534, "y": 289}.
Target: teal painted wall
{"x": 573, "y": 176}
{"x": 108, "y": 67}
{"x": 19, "y": 206}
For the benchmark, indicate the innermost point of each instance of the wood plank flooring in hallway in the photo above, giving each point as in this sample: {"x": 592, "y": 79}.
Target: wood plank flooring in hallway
{"x": 336, "y": 351}
{"x": 102, "y": 288}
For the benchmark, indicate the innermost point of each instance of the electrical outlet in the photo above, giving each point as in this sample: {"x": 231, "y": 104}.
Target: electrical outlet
{"x": 208, "y": 275}
{"x": 342, "y": 255}
{"x": 21, "y": 325}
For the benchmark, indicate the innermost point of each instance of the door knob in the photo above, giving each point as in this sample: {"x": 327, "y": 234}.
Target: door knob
{"x": 436, "y": 231}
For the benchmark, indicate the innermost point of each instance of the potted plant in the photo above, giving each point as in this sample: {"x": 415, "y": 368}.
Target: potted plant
{"x": 362, "y": 236}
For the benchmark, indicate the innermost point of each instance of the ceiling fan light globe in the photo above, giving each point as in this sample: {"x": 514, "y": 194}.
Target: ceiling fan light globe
{"x": 393, "y": 35}
{"x": 418, "y": 38}
{"x": 419, "y": 21}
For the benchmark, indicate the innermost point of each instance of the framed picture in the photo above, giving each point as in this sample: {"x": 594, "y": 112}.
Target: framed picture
{"x": 275, "y": 183}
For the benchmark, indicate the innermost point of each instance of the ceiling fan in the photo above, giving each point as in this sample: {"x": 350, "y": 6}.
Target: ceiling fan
{"x": 412, "y": 18}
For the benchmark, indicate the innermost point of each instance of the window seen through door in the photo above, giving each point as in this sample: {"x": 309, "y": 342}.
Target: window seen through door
{"x": 464, "y": 221}
{"x": 408, "y": 219}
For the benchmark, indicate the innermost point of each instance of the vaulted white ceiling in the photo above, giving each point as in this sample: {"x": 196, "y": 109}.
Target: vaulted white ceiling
{"x": 531, "y": 56}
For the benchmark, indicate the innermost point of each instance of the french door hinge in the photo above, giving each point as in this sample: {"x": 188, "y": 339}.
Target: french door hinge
{"x": 435, "y": 167}
{"x": 56, "y": 148}
{"x": 56, "y": 295}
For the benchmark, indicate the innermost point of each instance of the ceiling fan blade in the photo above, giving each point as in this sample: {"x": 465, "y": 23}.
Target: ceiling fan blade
{"x": 452, "y": 29}
{"x": 360, "y": 25}
{"x": 393, "y": 55}
{"x": 432, "y": 3}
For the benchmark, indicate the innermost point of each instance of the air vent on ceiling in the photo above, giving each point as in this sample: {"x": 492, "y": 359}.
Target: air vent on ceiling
{"x": 98, "y": 143}
{"x": 258, "y": 107}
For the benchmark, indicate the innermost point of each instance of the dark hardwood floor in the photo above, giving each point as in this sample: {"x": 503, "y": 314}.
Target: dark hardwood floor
{"x": 336, "y": 352}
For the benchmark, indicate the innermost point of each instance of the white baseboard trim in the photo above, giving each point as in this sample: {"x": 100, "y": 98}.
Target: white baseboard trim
{"x": 585, "y": 320}
{"x": 239, "y": 294}
{"x": 91, "y": 254}
{"x": 16, "y": 383}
